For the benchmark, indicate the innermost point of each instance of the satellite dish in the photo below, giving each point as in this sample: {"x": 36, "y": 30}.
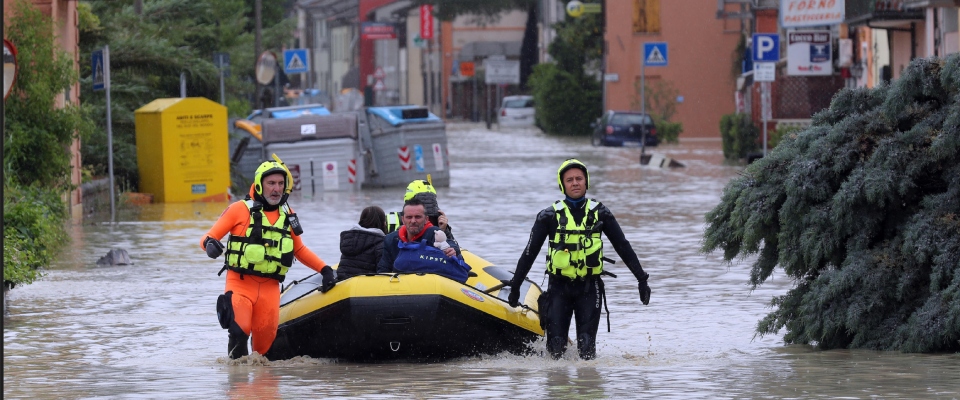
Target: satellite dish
{"x": 266, "y": 67}
{"x": 9, "y": 67}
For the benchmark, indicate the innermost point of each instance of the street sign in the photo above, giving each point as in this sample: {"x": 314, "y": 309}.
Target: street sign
{"x": 655, "y": 54}
{"x": 764, "y": 72}
{"x": 500, "y": 72}
{"x": 766, "y": 47}
{"x": 266, "y": 67}
{"x": 296, "y": 61}
{"x": 97, "y": 68}
{"x": 378, "y": 73}
{"x": 426, "y": 21}
{"x": 221, "y": 60}
{"x": 9, "y": 67}
{"x": 419, "y": 42}
{"x": 379, "y": 85}
{"x": 467, "y": 68}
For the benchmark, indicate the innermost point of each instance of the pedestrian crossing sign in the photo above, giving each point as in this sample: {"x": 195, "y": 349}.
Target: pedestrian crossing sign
{"x": 655, "y": 54}
{"x": 295, "y": 61}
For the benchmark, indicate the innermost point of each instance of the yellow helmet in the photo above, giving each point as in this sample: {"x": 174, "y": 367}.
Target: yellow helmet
{"x": 572, "y": 163}
{"x": 416, "y": 187}
{"x": 269, "y": 168}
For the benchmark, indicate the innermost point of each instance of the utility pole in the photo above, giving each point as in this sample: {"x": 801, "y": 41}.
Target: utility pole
{"x": 258, "y": 26}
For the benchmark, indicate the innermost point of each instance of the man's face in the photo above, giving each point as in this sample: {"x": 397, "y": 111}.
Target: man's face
{"x": 414, "y": 218}
{"x": 574, "y": 183}
{"x": 273, "y": 188}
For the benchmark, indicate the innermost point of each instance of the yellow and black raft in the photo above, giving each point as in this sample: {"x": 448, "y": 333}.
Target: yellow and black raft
{"x": 407, "y": 316}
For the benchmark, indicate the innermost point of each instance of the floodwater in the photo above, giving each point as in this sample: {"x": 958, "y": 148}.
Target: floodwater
{"x": 150, "y": 330}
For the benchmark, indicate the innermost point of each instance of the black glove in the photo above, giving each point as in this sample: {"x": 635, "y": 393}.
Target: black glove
{"x": 644, "y": 289}
{"x": 514, "y": 297}
{"x": 213, "y": 247}
{"x": 329, "y": 279}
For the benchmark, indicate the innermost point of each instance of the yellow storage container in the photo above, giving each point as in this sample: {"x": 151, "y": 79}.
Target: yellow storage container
{"x": 182, "y": 150}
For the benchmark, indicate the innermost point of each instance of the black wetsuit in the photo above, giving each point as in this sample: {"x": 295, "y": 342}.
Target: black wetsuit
{"x": 579, "y": 297}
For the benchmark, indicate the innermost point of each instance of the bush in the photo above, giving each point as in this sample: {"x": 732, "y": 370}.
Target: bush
{"x": 33, "y": 219}
{"x": 739, "y": 136}
{"x": 564, "y": 105}
{"x": 669, "y": 132}
{"x": 862, "y": 211}
{"x": 782, "y": 133}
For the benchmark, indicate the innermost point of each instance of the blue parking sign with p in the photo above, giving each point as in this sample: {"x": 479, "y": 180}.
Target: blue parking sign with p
{"x": 766, "y": 47}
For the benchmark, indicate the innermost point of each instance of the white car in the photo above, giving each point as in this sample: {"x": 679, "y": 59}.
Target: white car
{"x": 516, "y": 111}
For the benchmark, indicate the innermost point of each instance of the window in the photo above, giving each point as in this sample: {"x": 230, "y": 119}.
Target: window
{"x": 646, "y": 16}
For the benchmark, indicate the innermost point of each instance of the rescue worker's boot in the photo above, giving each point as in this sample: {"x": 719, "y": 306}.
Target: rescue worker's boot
{"x": 237, "y": 342}
{"x": 556, "y": 345}
{"x": 587, "y": 346}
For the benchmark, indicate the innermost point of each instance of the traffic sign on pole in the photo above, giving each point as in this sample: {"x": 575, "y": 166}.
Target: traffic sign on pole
{"x": 655, "y": 54}
{"x": 98, "y": 68}
{"x": 295, "y": 61}
{"x": 766, "y": 47}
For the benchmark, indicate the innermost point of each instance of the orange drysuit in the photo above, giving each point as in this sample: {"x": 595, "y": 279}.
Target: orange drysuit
{"x": 256, "y": 299}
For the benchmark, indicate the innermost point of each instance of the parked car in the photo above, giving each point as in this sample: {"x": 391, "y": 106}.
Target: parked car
{"x": 624, "y": 128}
{"x": 516, "y": 111}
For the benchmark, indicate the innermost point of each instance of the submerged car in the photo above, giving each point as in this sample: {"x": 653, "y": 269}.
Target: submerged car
{"x": 624, "y": 128}
{"x": 516, "y": 111}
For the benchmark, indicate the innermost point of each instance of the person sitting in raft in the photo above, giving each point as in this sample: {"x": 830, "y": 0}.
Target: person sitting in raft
{"x": 412, "y": 248}
{"x": 422, "y": 190}
{"x": 361, "y": 246}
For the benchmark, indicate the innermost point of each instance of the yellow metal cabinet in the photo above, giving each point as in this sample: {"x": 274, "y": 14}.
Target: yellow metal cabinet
{"x": 182, "y": 150}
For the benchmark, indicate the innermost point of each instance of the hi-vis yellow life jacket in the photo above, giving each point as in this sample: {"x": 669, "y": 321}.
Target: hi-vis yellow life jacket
{"x": 266, "y": 249}
{"x": 393, "y": 221}
{"x": 575, "y": 251}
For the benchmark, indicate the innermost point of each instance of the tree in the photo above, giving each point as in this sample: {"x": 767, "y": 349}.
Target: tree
{"x": 567, "y": 92}
{"x": 36, "y": 136}
{"x": 862, "y": 210}
{"x": 148, "y": 52}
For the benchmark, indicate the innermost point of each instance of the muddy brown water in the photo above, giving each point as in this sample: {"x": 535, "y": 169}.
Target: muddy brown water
{"x": 149, "y": 330}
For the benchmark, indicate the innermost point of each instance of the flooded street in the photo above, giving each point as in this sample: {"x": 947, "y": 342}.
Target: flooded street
{"x": 150, "y": 330}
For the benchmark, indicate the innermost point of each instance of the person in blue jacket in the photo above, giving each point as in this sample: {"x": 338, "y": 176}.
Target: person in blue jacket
{"x": 411, "y": 248}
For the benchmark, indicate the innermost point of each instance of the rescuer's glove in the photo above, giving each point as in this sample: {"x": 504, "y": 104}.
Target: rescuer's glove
{"x": 644, "y": 289}
{"x": 514, "y": 297}
{"x": 213, "y": 247}
{"x": 329, "y": 279}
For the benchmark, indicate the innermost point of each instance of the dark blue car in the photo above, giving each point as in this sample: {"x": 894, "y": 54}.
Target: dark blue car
{"x": 624, "y": 128}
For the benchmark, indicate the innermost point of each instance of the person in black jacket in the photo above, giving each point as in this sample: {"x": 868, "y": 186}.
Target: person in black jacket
{"x": 362, "y": 245}
{"x": 416, "y": 228}
{"x": 574, "y": 262}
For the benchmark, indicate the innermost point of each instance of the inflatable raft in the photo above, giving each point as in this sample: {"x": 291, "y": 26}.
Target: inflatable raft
{"x": 407, "y": 316}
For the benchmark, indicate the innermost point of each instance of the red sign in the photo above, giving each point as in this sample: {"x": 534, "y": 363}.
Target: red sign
{"x": 9, "y": 67}
{"x": 426, "y": 21}
{"x": 377, "y": 30}
{"x": 467, "y": 68}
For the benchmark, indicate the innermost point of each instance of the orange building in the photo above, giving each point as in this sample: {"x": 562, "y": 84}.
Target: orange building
{"x": 700, "y": 56}
{"x": 64, "y": 14}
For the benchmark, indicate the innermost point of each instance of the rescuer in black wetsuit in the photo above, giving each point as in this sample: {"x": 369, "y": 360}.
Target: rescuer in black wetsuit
{"x": 574, "y": 262}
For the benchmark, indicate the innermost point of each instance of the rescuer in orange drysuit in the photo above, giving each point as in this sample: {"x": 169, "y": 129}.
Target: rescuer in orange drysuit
{"x": 264, "y": 239}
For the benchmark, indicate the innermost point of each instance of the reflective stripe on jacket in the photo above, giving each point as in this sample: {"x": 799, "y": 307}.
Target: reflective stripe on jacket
{"x": 265, "y": 250}
{"x": 575, "y": 250}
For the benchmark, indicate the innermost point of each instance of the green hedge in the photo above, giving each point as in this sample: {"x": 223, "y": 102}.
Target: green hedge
{"x": 739, "y": 136}
{"x": 33, "y": 229}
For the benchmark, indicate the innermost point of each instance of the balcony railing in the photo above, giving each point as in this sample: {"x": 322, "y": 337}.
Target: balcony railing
{"x": 865, "y": 11}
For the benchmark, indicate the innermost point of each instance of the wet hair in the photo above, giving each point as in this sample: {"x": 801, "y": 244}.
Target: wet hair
{"x": 373, "y": 217}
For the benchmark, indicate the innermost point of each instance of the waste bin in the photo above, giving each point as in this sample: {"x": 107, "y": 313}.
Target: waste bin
{"x": 401, "y": 144}
{"x": 182, "y": 150}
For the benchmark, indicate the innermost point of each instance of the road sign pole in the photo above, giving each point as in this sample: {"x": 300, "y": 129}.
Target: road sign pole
{"x": 223, "y": 96}
{"x": 764, "y": 103}
{"x": 643, "y": 105}
{"x": 106, "y": 87}
{"x": 276, "y": 85}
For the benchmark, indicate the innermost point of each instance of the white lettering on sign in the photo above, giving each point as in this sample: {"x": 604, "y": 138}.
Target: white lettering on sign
{"x": 308, "y": 129}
